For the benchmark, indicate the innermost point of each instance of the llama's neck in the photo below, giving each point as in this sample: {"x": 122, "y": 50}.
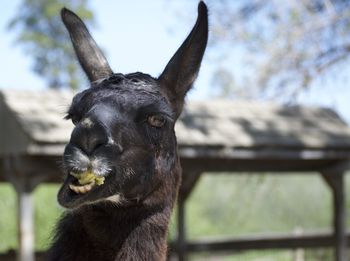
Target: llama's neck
{"x": 108, "y": 233}
{"x": 131, "y": 233}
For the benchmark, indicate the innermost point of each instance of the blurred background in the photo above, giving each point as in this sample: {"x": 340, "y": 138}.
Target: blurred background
{"x": 286, "y": 52}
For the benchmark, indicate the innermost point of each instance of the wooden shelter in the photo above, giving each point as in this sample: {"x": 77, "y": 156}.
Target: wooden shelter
{"x": 213, "y": 136}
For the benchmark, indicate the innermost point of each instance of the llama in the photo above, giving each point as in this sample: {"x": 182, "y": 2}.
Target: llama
{"x": 121, "y": 163}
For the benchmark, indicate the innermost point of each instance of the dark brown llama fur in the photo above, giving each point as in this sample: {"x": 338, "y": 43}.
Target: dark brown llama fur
{"x": 124, "y": 134}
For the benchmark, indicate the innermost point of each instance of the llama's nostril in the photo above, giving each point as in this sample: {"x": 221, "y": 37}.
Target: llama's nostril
{"x": 97, "y": 146}
{"x": 92, "y": 144}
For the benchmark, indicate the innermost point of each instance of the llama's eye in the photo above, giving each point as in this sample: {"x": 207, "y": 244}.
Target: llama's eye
{"x": 156, "y": 121}
{"x": 74, "y": 120}
{"x": 71, "y": 117}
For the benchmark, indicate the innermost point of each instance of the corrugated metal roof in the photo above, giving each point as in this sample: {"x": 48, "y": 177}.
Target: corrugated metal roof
{"x": 212, "y": 123}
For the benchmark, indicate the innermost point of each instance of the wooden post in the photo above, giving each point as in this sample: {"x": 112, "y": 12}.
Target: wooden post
{"x": 189, "y": 180}
{"x": 181, "y": 231}
{"x": 24, "y": 187}
{"x": 25, "y": 224}
{"x": 336, "y": 182}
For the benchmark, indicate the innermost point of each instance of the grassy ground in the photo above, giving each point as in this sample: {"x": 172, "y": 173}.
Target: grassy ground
{"x": 229, "y": 205}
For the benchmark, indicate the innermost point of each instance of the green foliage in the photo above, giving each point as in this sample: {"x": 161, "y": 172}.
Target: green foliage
{"x": 43, "y": 36}
{"x": 243, "y": 204}
{"x": 221, "y": 205}
{"x": 8, "y": 229}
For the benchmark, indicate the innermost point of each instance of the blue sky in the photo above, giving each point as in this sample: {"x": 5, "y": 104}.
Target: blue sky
{"x": 142, "y": 36}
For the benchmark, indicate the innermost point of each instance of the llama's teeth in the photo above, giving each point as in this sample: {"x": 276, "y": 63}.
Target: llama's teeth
{"x": 74, "y": 188}
{"x": 82, "y": 189}
{"x": 88, "y": 187}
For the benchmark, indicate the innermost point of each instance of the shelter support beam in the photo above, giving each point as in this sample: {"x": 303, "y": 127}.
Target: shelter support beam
{"x": 25, "y": 225}
{"x": 189, "y": 180}
{"x": 336, "y": 182}
{"x": 24, "y": 185}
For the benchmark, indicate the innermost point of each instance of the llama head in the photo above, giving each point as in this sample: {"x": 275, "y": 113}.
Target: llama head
{"x": 124, "y": 124}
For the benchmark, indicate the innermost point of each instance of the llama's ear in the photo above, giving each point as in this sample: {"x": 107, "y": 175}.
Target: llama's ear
{"x": 182, "y": 69}
{"x": 89, "y": 54}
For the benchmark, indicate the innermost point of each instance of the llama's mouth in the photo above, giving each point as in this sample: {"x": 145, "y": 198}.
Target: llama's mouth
{"x": 77, "y": 190}
{"x": 82, "y": 189}
{"x": 84, "y": 182}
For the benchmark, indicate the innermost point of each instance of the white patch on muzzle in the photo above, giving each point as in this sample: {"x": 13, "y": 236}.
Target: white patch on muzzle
{"x": 115, "y": 199}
